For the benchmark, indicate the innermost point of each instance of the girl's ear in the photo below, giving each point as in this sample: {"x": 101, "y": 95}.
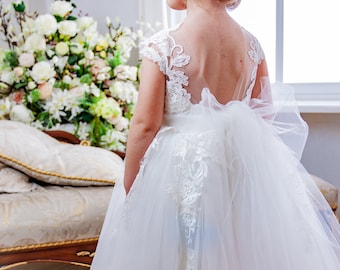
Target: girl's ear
{"x": 177, "y": 4}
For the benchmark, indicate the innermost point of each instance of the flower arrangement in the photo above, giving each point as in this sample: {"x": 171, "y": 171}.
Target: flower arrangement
{"x": 60, "y": 73}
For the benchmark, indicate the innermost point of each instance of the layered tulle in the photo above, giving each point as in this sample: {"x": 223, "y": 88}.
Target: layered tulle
{"x": 221, "y": 188}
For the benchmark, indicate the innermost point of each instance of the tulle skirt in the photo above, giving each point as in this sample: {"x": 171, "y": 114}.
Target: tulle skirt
{"x": 219, "y": 189}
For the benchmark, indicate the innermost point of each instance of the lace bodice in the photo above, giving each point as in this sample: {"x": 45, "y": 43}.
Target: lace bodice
{"x": 162, "y": 49}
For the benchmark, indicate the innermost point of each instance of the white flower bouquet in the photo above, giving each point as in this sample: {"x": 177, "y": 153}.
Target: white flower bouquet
{"x": 60, "y": 73}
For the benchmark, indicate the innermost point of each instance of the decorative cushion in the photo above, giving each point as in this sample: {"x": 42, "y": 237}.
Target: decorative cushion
{"x": 44, "y": 158}
{"x": 13, "y": 181}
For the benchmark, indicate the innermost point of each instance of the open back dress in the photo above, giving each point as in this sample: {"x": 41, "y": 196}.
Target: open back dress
{"x": 221, "y": 186}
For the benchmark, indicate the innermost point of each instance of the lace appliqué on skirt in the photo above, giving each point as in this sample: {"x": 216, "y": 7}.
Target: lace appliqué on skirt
{"x": 191, "y": 154}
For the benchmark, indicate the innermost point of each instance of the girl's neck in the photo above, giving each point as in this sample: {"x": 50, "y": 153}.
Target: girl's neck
{"x": 206, "y": 14}
{"x": 205, "y": 7}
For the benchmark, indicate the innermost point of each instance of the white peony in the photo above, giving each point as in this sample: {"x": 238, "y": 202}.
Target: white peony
{"x": 61, "y": 8}
{"x": 35, "y": 42}
{"x": 26, "y": 59}
{"x": 68, "y": 28}
{"x": 42, "y": 72}
{"x": 46, "y": 24}
{"x": 21, "y": 113}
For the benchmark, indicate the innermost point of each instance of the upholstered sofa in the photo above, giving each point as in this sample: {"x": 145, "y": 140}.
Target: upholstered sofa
{"x": 53, "y": 195}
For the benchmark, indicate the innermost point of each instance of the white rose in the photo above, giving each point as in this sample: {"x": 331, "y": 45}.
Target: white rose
{"x": 67, "y": 79}
{"x": 102, "y": 77}
{"x": 7, "y": 77}
{"x": 46, "y": 24}
{"x": 76, "y": 48}
{"x": 62, "y": 48}
{"x": 124, "y": 90}
{"x": 68, "y": 28}
{"x": 35, "y": 42}
{"x": 91, "y": 36}
{"x": 75, "y": 82}
{"x": 59, "y": 62}
{"x": 117, "y": 88}
{"x": 18, "y": 71}
{"x": 86, "y": 22}
{"x": 45, "y": 90}
{"x": 31, "y": 85}
{"x": 77, "y": 91}
{"x": 124, "y": 45}
{"x": 61, "y": 8}
{"x": 50, "y": 53}
{"x": 28, "y": 27}
{"x": 42, "y": 72}
{"x": 124, "y": 72}
{"x": 89, "y": 55}
{"x": 122, "y": 124}
{"x": 21, "y": 113}
{"x": 26, "y": 60}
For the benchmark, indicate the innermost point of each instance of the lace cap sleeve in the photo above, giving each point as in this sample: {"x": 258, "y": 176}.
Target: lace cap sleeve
{"x": 155, "y": 48}
{"x": 256, "y": 53}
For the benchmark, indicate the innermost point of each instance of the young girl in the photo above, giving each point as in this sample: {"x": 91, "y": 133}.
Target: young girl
{"x": 212, "y": 179}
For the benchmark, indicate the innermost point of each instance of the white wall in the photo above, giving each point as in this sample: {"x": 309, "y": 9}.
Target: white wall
{"x": 322, "y": 152}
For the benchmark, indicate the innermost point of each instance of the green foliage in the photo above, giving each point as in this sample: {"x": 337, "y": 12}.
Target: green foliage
{"x": 19, "y": 7}
{"x": 11, "y": 59}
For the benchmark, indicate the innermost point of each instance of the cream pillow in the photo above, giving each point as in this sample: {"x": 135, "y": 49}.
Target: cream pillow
{"x": 13, "y": 181}
{"x": 42, "y": 157}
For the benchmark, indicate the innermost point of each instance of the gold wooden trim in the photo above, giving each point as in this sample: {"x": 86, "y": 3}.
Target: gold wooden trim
{"x": 55, "y": 174}
{"x": 46, "y": 245}
{"x": 11, "y": 266}
{"x": 85, "y": 143}
{"x": 85, "y": 253}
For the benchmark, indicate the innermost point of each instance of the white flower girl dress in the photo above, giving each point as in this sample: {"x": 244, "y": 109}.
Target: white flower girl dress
{"x": 221, "y": 186}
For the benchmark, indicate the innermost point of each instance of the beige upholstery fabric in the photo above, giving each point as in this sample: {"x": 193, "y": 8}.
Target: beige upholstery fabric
{"x": 44, "y": 158}
{"x": 12, "y": 180}
{"x": 328, "y": 190}
{"x": 54, "y": 214}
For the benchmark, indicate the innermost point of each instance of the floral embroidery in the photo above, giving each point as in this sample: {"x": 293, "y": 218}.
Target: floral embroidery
{"x": 162, "y": 49}
{"x": 192, "y": 154}
{"x": 256, "y": 55}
